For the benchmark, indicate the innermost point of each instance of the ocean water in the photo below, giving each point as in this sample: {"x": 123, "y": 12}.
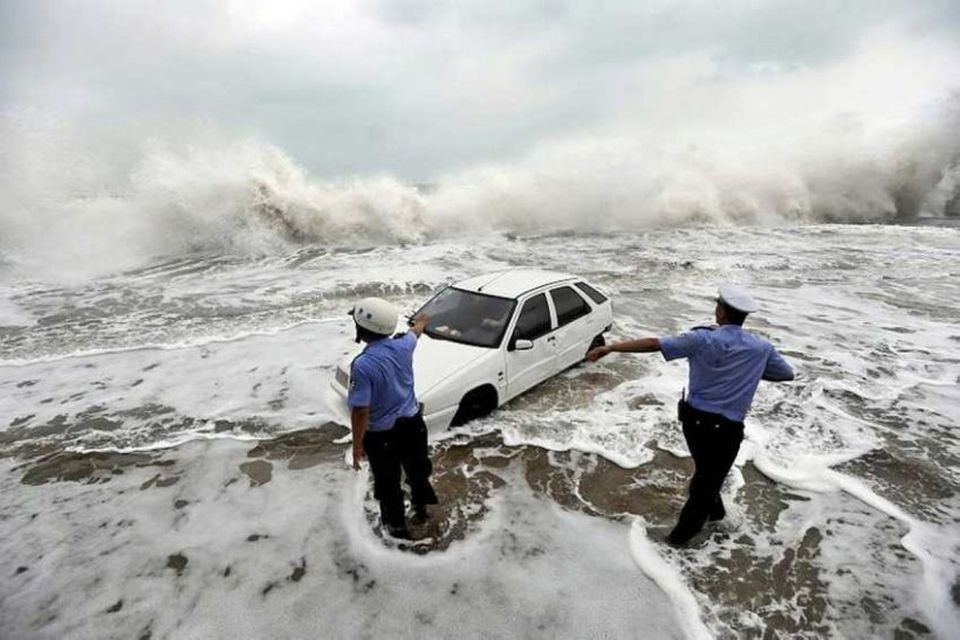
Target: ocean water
{"x": 173, "y": 461}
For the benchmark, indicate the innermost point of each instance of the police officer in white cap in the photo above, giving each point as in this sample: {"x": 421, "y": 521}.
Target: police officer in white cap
{"x": 726, "y": 366}
{"x": 388, "y": 427}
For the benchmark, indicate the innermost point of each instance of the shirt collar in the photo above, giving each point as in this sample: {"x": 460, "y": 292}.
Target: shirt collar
{"x": 372, "y": 345}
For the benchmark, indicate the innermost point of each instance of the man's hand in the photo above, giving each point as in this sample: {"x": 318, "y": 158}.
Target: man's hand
{"x": 420, "y": 324}
{"x": 358, "y": 454}
{"x": 640, "y": 345}
{"x": 595, "y": 354}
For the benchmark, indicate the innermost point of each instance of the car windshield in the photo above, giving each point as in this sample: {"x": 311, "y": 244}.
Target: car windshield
{"x": 468, "y": 317}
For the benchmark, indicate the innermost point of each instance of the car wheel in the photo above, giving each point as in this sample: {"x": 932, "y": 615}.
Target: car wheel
{"x": 477, "y": 403}
{"x": 598, "y": 341}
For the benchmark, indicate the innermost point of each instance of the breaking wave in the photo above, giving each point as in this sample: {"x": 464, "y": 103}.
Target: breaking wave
{"x": 66, "y": 208}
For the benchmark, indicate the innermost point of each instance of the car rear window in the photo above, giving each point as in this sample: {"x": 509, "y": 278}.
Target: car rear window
{"x": 569, "y": 304}
{"x": 592, "y": 293}
{"x": 534, "y": 320}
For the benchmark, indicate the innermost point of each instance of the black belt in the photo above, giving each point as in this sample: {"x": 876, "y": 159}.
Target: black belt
{"x": 687, "y": 412}
{"x": 399, "y": 422}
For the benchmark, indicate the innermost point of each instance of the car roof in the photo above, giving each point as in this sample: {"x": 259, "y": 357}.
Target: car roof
{"x": 513, "y": 283}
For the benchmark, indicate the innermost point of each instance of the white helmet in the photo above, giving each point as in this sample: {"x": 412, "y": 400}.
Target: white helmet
{"x": 376, "y": 315}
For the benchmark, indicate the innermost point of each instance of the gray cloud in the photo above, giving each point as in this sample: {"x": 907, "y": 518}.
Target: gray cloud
{"x": 412, "y": 88}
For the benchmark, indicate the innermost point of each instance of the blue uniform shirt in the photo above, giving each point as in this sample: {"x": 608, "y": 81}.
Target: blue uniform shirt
{"x": 726, "y": 366}
{"x": 381, "y": 378}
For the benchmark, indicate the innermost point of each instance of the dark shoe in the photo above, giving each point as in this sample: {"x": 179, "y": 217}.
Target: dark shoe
{"x": 717, "y": 513}
{"x": 717, "y": 510}
{"x": 398, "y": 532}
{"x": 659, "y": 534}
{"x": 674, "y": 541}
{"x": 420, "y": 515}
{"x": 698, "y": 539}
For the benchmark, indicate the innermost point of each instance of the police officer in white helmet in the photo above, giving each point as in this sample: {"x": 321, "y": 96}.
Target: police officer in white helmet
{"x": 388, "y": 428}
{"x": 726, "y": 366}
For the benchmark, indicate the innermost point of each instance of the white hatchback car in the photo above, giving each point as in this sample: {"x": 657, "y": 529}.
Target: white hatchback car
{"x": 494, "y": 336}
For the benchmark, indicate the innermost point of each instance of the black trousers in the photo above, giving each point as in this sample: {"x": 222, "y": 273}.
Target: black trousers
{"x": 403, "y": 447}
{"x": 714, "y": 442}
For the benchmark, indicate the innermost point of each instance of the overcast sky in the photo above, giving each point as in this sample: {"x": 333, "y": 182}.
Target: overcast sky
{"x": 422, "y": 88}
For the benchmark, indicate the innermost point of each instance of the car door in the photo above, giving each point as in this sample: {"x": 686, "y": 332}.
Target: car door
{"x": 527, "y": 368}
{"x": 574, "y": 330}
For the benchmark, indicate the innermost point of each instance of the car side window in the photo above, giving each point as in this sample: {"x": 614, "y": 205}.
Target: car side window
{"x": 534, "y": 320}
{"x": 592, "y": 293}
{"x": 569, "y": 305}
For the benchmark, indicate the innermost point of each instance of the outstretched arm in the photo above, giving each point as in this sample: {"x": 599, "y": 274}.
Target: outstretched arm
{"x": 777, "y": 369}
{"x": 419, "y": 324}
{"x": 640, "y": 345}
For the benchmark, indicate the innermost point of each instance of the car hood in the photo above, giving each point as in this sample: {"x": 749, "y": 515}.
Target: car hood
{"x": 436, "y": 360}
{"x": 433, "y": 362}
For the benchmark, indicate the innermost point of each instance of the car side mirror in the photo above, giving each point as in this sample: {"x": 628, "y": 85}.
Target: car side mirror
{"x": 522, "y": 345}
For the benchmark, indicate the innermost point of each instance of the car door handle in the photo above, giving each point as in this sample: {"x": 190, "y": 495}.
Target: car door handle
{"x": 552, "y": 339}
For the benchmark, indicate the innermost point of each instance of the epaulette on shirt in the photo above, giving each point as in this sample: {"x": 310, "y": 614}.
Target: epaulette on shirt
{"x": 355, "y": 358}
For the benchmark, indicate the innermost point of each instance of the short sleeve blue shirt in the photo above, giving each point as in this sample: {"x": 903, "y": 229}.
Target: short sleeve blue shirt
{"x": 381, "y": 378}
{"x": 726, "y": 366}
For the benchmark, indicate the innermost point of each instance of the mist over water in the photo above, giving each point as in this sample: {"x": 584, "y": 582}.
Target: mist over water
{"x": 874, "y": 138}
{"x": 251, "y": 198}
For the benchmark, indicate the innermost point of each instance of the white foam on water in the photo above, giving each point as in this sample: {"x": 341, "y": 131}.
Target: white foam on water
{"x": 166, "y": 444}
{"x": 578, "y": 432}
{"x": 608, "y": 426}
{"x": 296, "y": 557}
{"x": 138, "y": 350}
{"x": 934, "y": 547}
{"x": 209, "y": 298}
{"x": 876, "y": 359}
{"x": 12, "y": 314}
{"x": 670, "y": 580}
{"x": 850, "y": 344}
{"x": 266, "y": 382}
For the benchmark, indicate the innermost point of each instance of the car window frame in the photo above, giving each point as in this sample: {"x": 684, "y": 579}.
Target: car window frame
{"x": 580, "y": 284}
{"x": 583, "y": 299}
{"x": 519, "y": 310}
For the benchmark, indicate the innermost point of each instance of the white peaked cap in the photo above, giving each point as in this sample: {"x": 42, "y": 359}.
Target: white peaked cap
{"x": 738, "y": 298}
